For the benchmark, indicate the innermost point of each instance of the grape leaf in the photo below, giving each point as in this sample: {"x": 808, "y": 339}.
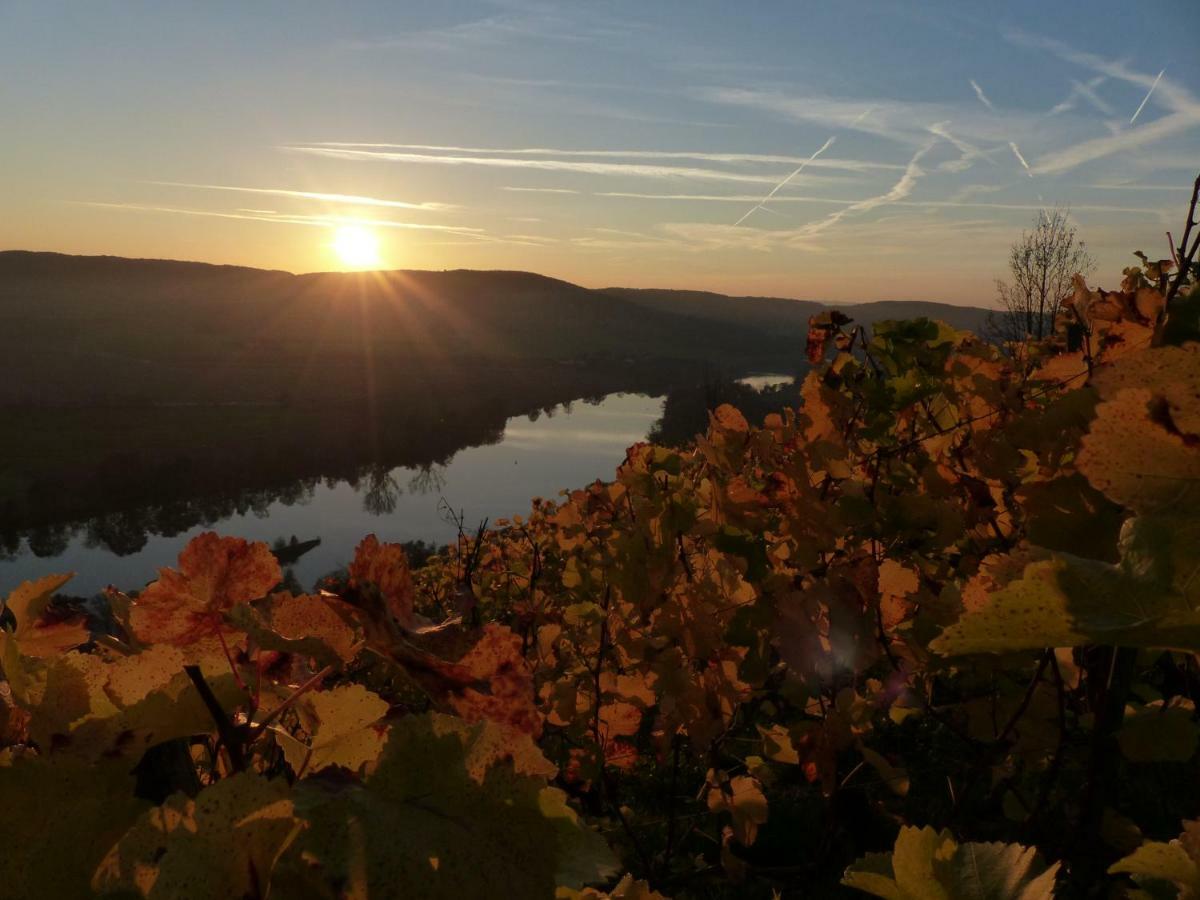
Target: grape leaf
{"x": 63, "y": 814}
{"x": 89, "y": 707}
{"x": 384, "y": 568}
{"x": 626, "y": 889}
{"x": 931, "y": 865}
{"x": 421, "y": 825}
{"x": 343, "y": 724}
{"x": 37, "y": 635}
{"x": 741, "y": 797}
{"x": 215, "y": 573}
{"x": 1065, "y": 601}
{"x": 224, "y": 843}
{"x": 309, "y": 625}
{"x": 1176, "y": 863}
{"x": 504, "y": 691}
{"x": 1159, "y": 732}
{"x": 1143, "y": 449}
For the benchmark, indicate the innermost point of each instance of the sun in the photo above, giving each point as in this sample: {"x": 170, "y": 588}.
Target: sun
{"x": 356, "y": 247}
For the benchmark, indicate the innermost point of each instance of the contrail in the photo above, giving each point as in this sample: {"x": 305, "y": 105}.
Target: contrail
{"x": 866, "y": 112}
{"x": 775, "y": 189}
{"x": 981, "y": 95}
{"x": 1020, "y": 158}
{"x": 1147, "y": 97}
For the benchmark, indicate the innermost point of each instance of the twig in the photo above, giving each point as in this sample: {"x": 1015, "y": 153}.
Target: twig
{"x": 279, "y": 710}
{"x": 225, "y": 728}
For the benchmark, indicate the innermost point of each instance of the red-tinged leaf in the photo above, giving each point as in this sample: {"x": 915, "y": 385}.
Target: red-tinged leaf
{"x": 384, "y": 568}
{"x": 729, "y": 418}
{"x": 317, "y": 626}
{"x": 503, "y": 689}
{"x": 214, "y": 575}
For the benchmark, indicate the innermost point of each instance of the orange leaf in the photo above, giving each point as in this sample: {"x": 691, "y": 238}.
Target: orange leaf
{"x": 496, "y": 663}
{"x": 215, "y": 574}
{"x": 385, "y": 566}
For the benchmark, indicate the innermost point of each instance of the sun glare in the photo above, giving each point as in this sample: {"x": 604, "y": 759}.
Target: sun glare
{"x": 356, "y": 247}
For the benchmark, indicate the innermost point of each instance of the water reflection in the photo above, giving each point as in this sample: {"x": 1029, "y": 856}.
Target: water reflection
{"x": 492, "y": 474}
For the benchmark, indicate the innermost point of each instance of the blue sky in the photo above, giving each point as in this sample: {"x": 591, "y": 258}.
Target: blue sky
{"x": 605, "y": 143}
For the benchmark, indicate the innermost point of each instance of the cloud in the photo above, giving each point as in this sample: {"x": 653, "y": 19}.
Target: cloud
{"x": 981, "y": 95}
{"x": 320, "y": 221}
{"x": 636, "y": 170}
{"x": 969, "y": 152}
{"x": 850, "y": 165}
{"x": 1175, "y": 96}
{"x": 1070, "y": 157}
{"x": 723, "y": 198}
{"x": 1184, "y": 109}
{"x": 960, "y": 200}
{"x": 905, "y": 122}
{"x": 353, "y": 199}
{"x": 538, "y": 190}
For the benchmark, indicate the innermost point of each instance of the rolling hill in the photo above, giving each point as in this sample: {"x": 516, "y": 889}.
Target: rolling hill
{"x": 78, "y": 329}
{"x": 779, "y": 315}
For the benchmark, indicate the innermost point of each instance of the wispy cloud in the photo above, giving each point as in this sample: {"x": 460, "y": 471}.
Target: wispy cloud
{"x": 1183, "y": 115}
{"x": 1174, "y": 95}
{"x": 905, "y": 122}
{"x": 1069, "y": 158}
{"x": 722, "y": 198}
{"x": 960, "y": 200}
{"x": 320, "y": 221}
{"x": 635, "y": 170}
{"x": 350, "y": 199}
{"x": 1087, "y": 90}
{"x": 775, "y": 190}
{"x": 850, "y": 165}
{"x": 969, "y": 152}
{"x": 980, "y": 94}
{"x": 537, "y": 190}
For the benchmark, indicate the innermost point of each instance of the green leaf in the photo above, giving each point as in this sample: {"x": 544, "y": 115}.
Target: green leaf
{"x": 62, "y": 816}
{"x": 930, "y": 865}
{"x": 223, "y": 844}
{"x": 422, "y": 822}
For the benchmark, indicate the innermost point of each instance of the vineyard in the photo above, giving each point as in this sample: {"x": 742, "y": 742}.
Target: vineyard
{"x": 933, "y": 634}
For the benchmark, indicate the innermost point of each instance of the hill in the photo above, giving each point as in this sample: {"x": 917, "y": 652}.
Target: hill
{"x": 123, "y": 330}
{"x": 779, "y": 315}
{"x": 77, "y": 329}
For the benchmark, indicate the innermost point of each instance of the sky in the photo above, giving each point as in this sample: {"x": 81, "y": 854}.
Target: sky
{"x": 832, "y": 151}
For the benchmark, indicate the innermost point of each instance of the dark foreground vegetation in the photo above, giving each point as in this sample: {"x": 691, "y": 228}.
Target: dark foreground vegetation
{"x": 933, "y": 634}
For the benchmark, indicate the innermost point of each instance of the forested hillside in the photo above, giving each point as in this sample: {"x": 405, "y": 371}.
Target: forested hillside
{"x": 106, "y": 329}
{"x": 931, "y": 635}
{"x": 777, "y": 315}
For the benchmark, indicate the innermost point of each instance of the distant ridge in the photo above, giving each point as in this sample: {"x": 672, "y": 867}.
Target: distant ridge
{"x": 778, "y": 314}
{"x": 91, "y": 328}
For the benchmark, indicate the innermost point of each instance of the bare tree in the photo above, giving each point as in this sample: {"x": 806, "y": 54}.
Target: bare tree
{"x": 1041, "y": 265}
